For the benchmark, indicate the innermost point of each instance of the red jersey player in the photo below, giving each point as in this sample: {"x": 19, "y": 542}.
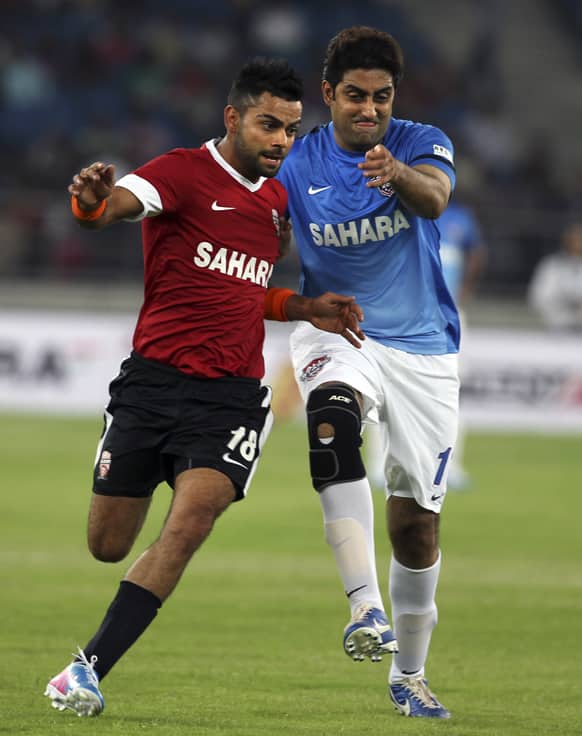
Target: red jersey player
{"x": 188, "y": 407}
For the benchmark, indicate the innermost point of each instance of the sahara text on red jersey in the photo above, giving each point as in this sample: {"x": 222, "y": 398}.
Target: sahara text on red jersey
{"x": 233, "y": 263}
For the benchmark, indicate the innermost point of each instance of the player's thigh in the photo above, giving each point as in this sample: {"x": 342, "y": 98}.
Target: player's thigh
{"x": 200, "y": 496}
{"x": 114, "y": 523}
{"x": 128, "y": 467}
{"x": 422, "y": 396}
{"x": 123, "y": 483}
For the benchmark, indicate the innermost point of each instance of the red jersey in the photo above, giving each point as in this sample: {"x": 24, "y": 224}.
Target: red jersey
{"x": 208, "y": 257}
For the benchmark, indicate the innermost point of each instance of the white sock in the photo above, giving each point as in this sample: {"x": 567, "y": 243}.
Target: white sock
{"x": 414, "y": 616}
{"x": 348, "y": 515}
{"x": 374, "y": 447}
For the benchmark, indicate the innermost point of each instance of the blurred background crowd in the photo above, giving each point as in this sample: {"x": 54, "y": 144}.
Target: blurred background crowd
{"x": 85, "y": 80}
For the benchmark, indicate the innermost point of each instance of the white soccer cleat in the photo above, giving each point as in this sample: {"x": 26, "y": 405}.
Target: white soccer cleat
{"x": 369, "y": 635}
{"x": 76, "y": 688}
{"x": 411, "y": 697}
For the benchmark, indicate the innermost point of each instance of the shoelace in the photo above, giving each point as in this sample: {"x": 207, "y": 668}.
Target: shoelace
{"x": 89, "y": 665}
{"x": 419, "y": 690}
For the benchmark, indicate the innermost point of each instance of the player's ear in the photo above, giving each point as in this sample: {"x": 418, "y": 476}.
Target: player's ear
{"x": 231, "y": 119}
{"x": 327, "y": 92}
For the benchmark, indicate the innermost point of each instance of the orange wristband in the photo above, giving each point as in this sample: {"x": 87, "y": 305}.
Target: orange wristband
{"x": 275, "y": 300}
{"x": 87, "y": 216}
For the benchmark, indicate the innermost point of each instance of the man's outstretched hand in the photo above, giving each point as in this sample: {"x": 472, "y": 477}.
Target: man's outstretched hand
{"x": 93, "y": 184}
{"x": 337, "y": 313}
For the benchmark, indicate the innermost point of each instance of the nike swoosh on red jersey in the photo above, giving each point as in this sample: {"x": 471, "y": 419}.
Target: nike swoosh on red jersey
{"x": 219, "y": 208}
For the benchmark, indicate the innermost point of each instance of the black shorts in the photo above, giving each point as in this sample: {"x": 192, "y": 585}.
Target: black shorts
{"x": 160, "y": 422}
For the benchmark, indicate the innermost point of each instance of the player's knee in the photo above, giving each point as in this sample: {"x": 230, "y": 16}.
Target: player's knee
{"x": 334, "y": 424}
{"x": 108, "y": 549}
{"x": 184, "y": 532}
{"x": 415, "y": 539}
{"x": 108, "y": 554}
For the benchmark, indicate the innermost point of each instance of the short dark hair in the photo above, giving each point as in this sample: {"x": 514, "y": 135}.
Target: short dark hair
{"x": 362, "y": 47}
{"x": 264, "y": 75}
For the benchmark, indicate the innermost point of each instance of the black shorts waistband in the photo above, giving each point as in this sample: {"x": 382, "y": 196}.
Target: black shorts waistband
{"x": 177, "y": 373}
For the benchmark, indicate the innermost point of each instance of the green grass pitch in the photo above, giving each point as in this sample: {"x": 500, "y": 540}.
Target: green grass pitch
{"x": 250, "y": 642}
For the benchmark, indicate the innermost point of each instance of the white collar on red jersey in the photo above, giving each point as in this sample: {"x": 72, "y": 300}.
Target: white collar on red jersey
{"x": 252, "y": 186}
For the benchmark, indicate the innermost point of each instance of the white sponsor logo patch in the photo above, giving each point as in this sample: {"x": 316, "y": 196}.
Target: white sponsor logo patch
{"x": 104, "y": 464}
{"x": 276, "y": 221}
{"x": 313, "y": 368}
{"x": 442, "y": 152}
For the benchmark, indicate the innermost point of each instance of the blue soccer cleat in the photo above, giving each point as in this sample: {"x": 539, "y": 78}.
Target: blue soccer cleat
{"x": 76, "y": 688}
{"x": 369, "y": 635}
{"x": 411, "y": 697}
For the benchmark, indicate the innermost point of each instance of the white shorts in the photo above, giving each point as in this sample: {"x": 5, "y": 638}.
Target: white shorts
{"x": 414, "y": 399}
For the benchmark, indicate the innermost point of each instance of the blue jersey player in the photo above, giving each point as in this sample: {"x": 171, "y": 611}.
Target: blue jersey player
{"x": 463, "y": 257}
{"x": 462, "y": 250}
{"x": 364, "y": 194}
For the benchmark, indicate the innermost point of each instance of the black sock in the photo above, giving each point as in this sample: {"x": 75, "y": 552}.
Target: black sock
{"x": 130, "y": 613}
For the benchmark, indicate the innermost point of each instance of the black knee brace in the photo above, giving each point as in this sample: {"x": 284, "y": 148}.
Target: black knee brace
{"x": 338, "y": 459}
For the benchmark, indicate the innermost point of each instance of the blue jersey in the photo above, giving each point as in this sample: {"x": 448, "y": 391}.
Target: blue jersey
{"x": 364, "y": 242}
{"x": 460, "y": 234}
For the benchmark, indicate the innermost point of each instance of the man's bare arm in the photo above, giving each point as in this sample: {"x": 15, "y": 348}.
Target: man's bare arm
{"x": 329, "y": 312}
